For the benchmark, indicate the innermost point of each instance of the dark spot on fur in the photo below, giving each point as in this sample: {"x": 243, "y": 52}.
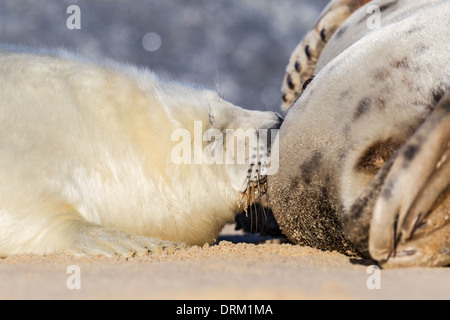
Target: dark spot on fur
{"x": 323, "y": 35}
{"x": 284, "y": 97}
{"x": 289, "y": 82}
{"x": 381, "y": 74}
{"x": 308, "y": 52}
{"x": 307, "y": 82}
{"x": 420, "y": 49}
{"x": 410, "y": 84}
{"x": 297, "y": 66}
{"x": 356, "y": 210}
{"x": 387, "y": 191}
{"x": 294, "y": 182}
{"x": 401, "y": 64}
{"x": 345, "y": 94}
{"x": 414, "y": 29}
{"x": 410, "y": 152}
{"x": 363, "y": 107}
{"x": 341, "y": 32}
{"x": 375, "y": 156}
{"x": 380, "y": 103}
{"x": 308, "y": 168}
{"x": 388, "y": 6}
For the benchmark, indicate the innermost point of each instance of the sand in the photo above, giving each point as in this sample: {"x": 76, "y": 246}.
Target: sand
{"x": 228, "y": 270}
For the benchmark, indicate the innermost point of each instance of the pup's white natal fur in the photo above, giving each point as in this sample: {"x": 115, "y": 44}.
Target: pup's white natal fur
{"x": 85, "y": 158}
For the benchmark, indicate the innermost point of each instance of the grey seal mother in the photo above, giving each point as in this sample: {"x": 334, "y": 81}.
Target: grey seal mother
{"x": 364, "y": 149}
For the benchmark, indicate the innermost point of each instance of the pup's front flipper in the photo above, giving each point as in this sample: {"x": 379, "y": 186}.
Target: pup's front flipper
{"x": 91, "y": 239}
{"x": 411, "y": 218}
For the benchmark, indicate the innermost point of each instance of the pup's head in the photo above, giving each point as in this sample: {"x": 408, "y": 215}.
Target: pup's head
{"x": 247, "y": 137}
{"x": 230, "y": 143}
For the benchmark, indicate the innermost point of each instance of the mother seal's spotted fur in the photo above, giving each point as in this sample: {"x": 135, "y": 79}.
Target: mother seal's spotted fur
{"x": 365, "y": 146}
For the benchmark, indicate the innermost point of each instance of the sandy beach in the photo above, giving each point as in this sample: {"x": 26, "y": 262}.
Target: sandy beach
{"x": 228, "y": 270}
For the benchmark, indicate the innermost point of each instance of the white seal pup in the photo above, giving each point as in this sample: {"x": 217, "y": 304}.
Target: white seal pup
{"x": 365, "y": 146}
{"x": 105, "y": 158}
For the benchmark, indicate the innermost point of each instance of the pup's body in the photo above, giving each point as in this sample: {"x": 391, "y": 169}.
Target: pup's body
{"x": 85, "y": 158}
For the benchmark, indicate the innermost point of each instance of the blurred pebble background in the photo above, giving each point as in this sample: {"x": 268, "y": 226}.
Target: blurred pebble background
{"x": 239, "y": 47}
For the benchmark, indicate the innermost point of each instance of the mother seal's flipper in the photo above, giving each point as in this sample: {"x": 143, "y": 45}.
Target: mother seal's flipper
{"x": 406, "y": 238}
{"x": 302, "y": 62}
{"x": 356, "y": 220}
{"x": 417, "y": 184}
